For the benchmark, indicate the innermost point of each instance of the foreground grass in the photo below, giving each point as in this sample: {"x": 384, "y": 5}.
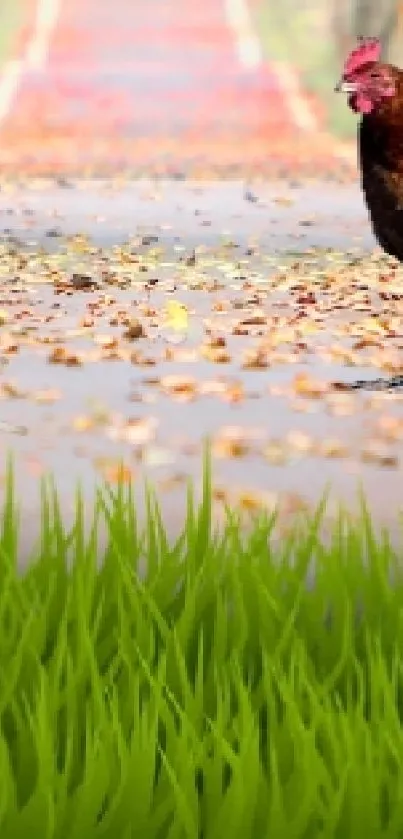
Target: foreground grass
{"x": 216, "y": 693}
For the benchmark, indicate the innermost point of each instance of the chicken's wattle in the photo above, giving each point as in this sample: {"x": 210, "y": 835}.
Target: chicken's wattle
{"x": 360, "y": 104}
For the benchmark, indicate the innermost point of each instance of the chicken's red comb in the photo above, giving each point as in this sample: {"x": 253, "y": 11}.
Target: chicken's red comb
{"x": 367, "y": 52}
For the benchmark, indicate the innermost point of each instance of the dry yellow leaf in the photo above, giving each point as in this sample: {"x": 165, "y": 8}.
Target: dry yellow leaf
{"x": 176, "y": 316}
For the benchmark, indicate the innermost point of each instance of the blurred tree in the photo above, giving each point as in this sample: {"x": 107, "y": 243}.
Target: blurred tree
{"x": 395, "y": 49}
{"x": 383, "y": 18}
{"x": 341, "y": 15}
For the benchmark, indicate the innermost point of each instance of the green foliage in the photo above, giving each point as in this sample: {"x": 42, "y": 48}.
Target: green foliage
{"x": 300, "y": 34}
{"x": 224, "y": 684}
{"x": 13, "y": 16}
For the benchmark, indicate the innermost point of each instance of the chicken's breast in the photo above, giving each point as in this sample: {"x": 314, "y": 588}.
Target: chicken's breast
{"x": 382, "y": 185}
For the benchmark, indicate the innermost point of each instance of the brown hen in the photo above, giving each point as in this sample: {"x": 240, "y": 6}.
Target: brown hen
{"x": 375, "y": 91}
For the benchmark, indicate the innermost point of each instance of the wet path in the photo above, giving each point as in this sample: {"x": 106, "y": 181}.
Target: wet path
{"x": 281, "y": 301}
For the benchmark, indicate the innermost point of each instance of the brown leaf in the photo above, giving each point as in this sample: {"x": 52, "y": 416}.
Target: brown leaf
{"x": 333, "y": 448}
{"x": 114, "y": 472}
{"x": 106, "y": 341}
{"x": 379, "y": 455}
{"x": 304, "y": 385}
{"x": 83, "y": 282}
{"x": 134, "y": 331}
{"x": 364, "y": 343}
{"x": 48, "y": 396}
{"x": 179, "y": 385}
{"x": 252, "y": 501}
{"x": 215, "y": 355}
{"x": 11, "y": 391}
{"x": 229, "y": 449}
{"x": 142, "y": 360}
{"x": 255, "y": 360}
{"x": 60, "y": 356}
{"x": 234, "y": 393}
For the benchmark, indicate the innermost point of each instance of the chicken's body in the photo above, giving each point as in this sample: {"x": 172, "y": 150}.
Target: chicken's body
{"x": 380, "y": 149}
{"x": 376, "y": 91}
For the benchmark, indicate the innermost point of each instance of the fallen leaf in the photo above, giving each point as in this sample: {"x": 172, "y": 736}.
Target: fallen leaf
{"x": 390, "y": 428}
{"x": 140, "y": 431}
{"x": 216, "y": 355}
{"x": 172, "y": 482}
{"x": 48, "y": 396}
{"x": 179, "y": 385}
{"x": 106, "y": 341}
{"x": 60, "y": 356}
{"x": 83, "y": 282}
{"x": 379, "y": 455}
{"x": 134, "y": 331}
{"x": 300, "y": 442}
{"x": 176, "y": 316}
{"x": 12, "y": 391}
{"x": 158, "y": 456}
{"x": 275, "y": 452}
{"x": 254, "y": 501}
{"x": 226, "y": 448}
{"x": 255, "y": 360}
{"x": 83, "y": 423}
{"x": 114, "y": 472}
{"x": 333, "y": 448}
{"x": 304, "y": 385}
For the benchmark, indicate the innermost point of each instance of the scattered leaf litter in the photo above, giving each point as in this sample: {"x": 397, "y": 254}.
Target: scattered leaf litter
{"x": 207, "y": 336}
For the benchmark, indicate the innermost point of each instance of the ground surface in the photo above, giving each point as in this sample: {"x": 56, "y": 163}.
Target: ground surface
{"x": 283, "y": 309}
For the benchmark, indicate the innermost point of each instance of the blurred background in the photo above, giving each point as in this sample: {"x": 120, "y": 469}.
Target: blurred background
{"x": 167, "y": 87}
{"x": 318, "y": 34}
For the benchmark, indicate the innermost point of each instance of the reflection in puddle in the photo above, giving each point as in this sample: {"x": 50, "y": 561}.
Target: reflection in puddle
{"x": 391, "y": 383}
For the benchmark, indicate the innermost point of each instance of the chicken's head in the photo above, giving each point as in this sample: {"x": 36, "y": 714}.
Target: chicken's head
{"x": 365, "y": 79}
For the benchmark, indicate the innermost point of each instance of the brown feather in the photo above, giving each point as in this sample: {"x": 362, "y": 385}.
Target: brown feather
{"x": 381, "y": 158}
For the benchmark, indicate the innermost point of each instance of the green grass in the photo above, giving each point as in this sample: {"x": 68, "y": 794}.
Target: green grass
{"x": 215, "y": 695}
{"x": 295, "y": 34}
{"x": 12, "y": 13}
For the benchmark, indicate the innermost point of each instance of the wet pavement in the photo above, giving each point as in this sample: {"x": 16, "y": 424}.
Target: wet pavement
{"x": 139, "y": 319}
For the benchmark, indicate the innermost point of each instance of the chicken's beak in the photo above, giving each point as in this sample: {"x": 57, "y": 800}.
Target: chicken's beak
{"x": 345, "y": 87}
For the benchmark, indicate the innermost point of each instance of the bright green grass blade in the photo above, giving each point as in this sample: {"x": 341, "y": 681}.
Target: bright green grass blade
{"x": 227, "y": 682}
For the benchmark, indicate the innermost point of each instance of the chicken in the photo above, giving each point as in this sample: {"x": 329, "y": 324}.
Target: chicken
{"x": 375, "y": 90}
